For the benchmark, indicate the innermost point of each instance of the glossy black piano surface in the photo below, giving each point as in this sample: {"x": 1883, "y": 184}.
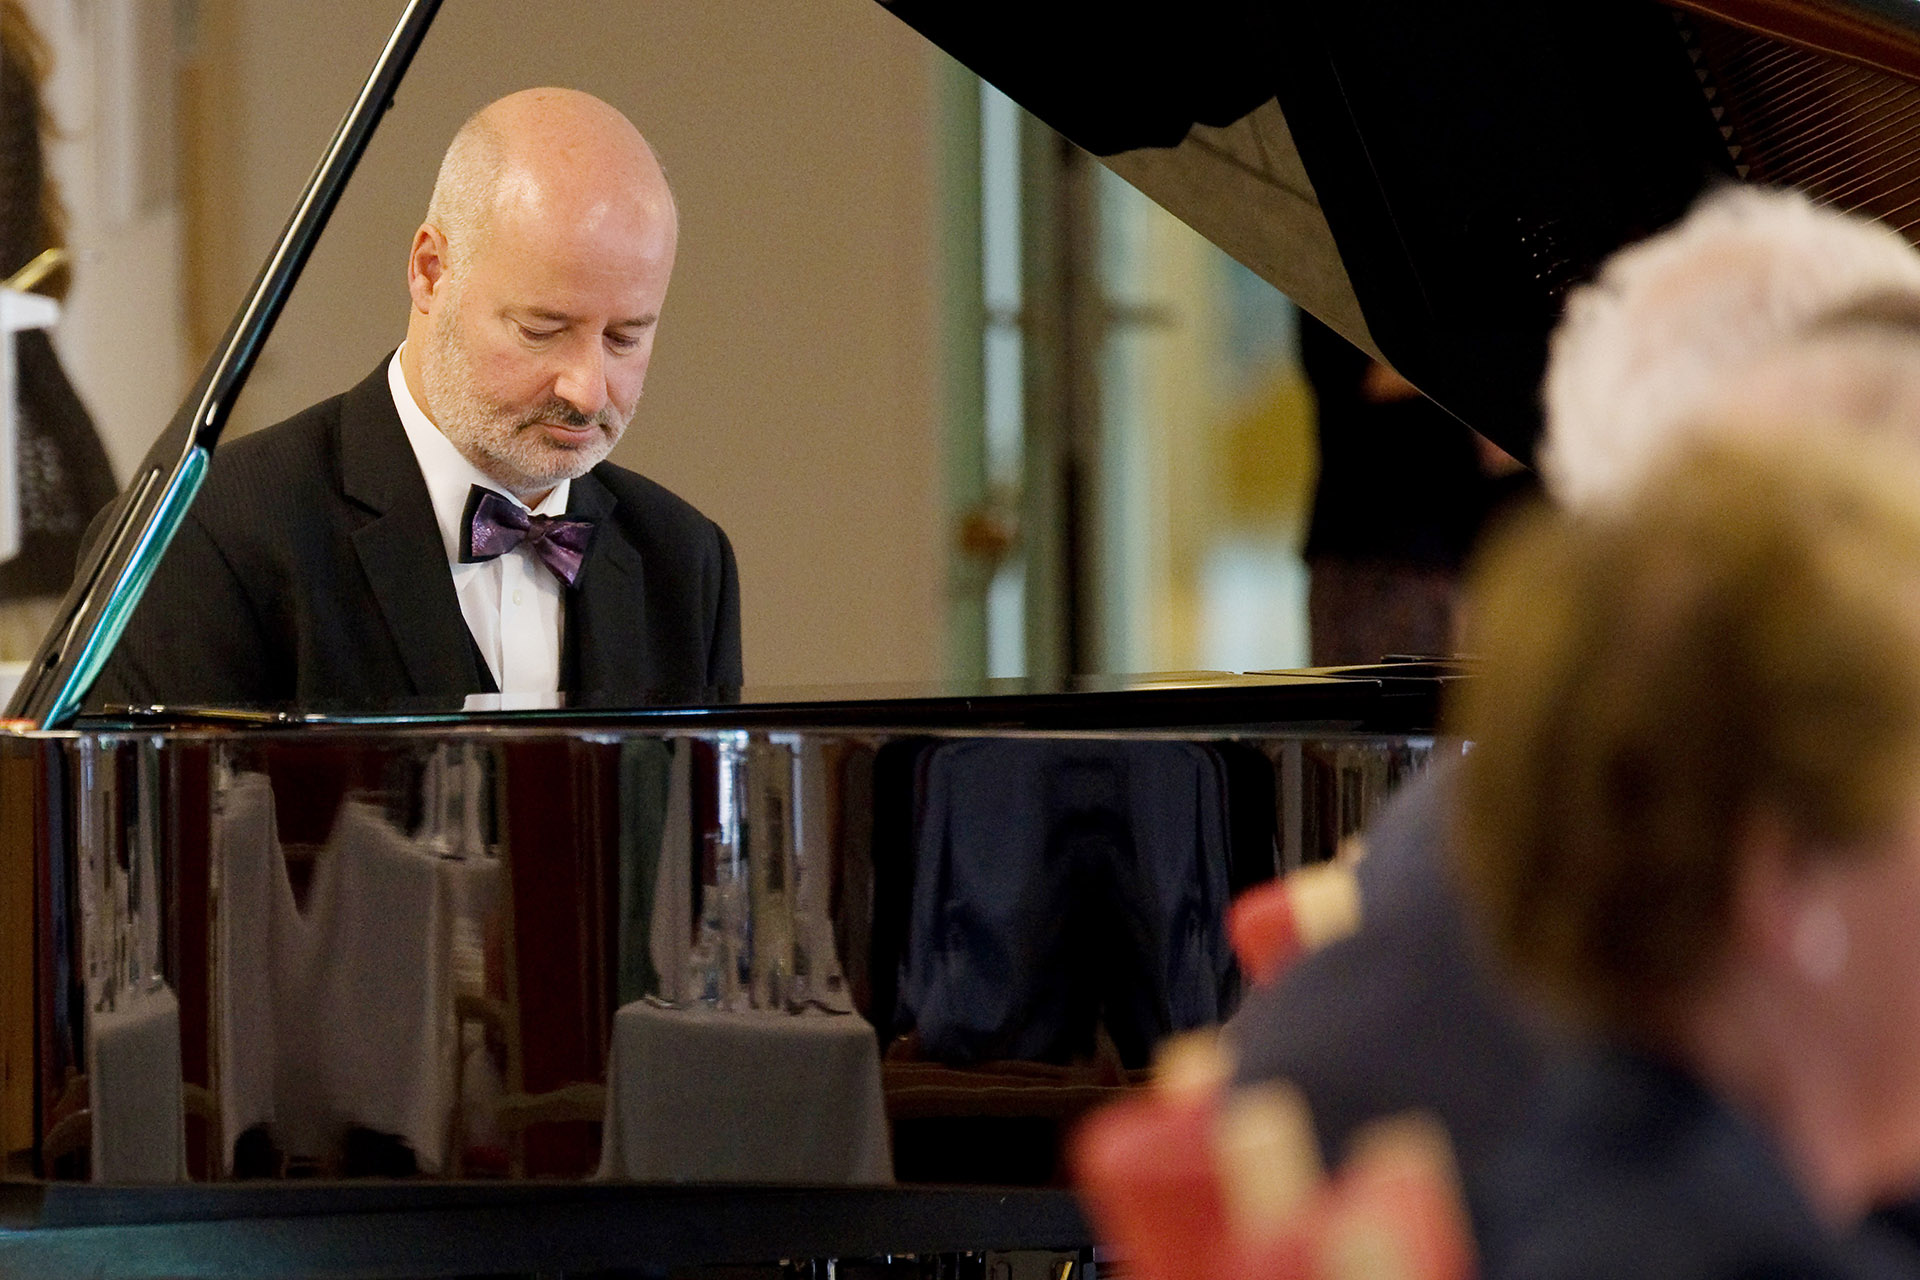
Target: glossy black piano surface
{"x": 396, "y": 945}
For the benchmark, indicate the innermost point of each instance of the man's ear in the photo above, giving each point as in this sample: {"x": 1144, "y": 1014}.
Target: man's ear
{"x": 1785, "y": 910}
{"x": 426, "y": 267}
{"x": 1767, "y": 889}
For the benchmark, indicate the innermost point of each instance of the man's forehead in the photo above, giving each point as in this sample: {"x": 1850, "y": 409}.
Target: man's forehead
{"x": 571, "y": 185}
{"x": 549, "y": 248}
{"x": 556, "y": 229}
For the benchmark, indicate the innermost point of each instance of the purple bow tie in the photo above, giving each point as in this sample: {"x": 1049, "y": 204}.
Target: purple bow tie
{"x": 495, "y": 526}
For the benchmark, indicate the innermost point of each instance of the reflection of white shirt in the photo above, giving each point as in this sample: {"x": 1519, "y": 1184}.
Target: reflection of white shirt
{"x": 512, "y": 603}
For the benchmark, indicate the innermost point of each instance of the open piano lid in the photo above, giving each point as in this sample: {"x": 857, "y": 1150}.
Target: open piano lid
{"x": 1428, "y": 179}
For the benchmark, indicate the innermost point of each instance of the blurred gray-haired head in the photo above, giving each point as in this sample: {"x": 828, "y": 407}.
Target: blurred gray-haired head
{"x": 1757, "y": 311}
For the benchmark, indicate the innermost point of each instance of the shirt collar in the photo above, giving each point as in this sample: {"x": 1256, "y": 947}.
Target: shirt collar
{"x": 448, "y": 474}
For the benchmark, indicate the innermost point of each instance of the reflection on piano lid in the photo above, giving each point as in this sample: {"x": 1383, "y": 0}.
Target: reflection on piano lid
{"x": 1431, "y": 179}
{"x": 390, "y": 946}
{"x": 1398, "y": 695}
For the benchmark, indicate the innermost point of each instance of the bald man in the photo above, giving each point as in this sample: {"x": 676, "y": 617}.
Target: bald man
{"x": 451, "y": 525}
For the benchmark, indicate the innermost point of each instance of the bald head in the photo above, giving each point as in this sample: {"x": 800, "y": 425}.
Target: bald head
{"x": 537, "y": 282}
{"x": 549, "y": 151}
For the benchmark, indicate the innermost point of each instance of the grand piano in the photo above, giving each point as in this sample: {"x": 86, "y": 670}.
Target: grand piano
{"x": 353, "y": 986}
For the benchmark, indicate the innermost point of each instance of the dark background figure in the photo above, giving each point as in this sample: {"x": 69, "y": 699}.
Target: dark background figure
{"x": 1403, "y": 491}
{"x": 65, "y": 476}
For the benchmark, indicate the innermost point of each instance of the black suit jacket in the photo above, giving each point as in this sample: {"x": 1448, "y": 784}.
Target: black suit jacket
{"x": 310, "y": 572}
{"x": 1630, "y": 1168}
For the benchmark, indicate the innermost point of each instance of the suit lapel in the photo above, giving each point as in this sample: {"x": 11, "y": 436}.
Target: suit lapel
{"x": 608, "y": 610}
{"x": 399, "y": 546}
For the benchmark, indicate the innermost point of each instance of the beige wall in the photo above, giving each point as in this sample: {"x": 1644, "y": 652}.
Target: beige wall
{"x": 794, "y": 393}
{"x": 122, "y": 334}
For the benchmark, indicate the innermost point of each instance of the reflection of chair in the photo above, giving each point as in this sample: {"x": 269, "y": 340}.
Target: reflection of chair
{"x": 1039, "y": 1090}
{"x": 488, "y": 1016}
{"x": 576, "y": 1103}
{"x": 573, "y": 1103}
{"x": 202, "y": 1106}
{"x": 70, "y": 1128}
{"x": 70, "y": 1136}
{"x": 1000, "y": 1121}
{"x": 558, "y": 915}
{"x": 512, "y": 1113}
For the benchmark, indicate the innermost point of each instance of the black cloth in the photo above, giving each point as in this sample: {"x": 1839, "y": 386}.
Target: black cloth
{"x": 65, "y": 478}
{"x": 1400, "y": 481}
{"x": 1634, "y": 1169}
{"x": 311, "y": 572}
{"x": 1408, "y": 1011}
{"x": 64, "y": 473}
{"x": 1064, "y": 885}
{"x": 23, "y": 169}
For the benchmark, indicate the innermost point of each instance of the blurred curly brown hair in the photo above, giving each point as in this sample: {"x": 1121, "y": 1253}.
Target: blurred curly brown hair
{"x": 1743, "y": 639}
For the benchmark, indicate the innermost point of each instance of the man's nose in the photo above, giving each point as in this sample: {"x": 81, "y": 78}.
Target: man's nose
{"x": 582, "y": 381}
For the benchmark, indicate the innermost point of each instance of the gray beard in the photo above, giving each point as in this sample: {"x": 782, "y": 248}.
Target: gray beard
{"x": 509, "y": 448}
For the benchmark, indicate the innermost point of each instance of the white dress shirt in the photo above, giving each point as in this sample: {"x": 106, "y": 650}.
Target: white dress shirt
{"x": 512, "y": 603}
